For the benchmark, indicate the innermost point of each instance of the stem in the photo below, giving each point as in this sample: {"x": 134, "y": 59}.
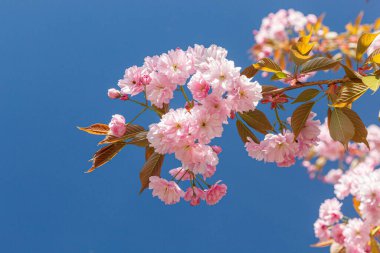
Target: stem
{"x": 146, "y": 106}
{"x": 200, "y": 177}
{"x": 184, "y": 93}
{"x": 301, "y": 85}
{"x": 279, "y": 120}
{"x": 142, "y": 111}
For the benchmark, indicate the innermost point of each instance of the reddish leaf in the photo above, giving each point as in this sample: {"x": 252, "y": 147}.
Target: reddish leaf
{"x": 98, "y": 129}
{"x": 300, "y": 116}
{"x": 152, "y": 167}
{"x": 105, "y": 154}
{"x": 132, "y": 131}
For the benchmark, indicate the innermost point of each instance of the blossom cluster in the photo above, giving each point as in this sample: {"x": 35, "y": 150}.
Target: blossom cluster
{"x": 217, "y": 90}
{"x": 284, "y": 148}
{"x": 360, "y": 181}
{"x": 277, "y": 27}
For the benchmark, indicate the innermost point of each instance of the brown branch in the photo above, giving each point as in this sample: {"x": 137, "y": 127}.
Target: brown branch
{"x": 302, "y": 85}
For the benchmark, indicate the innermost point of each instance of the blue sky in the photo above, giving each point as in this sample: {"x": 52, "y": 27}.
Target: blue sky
{"x": 58, "y": 58}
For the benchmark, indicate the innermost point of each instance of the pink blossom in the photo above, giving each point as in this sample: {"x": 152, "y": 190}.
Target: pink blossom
{"x": 215, "y": 193}
{"x": 210, "y": 171}
{"x": 356, "y": 234}
{"x": 337, "y": 233}
{"x": 199, "y": 87}
{"x": 150, "y": 63}
{"x": 117, "y": 125}
{"x": 196, "y": 157}
{"x": 171, "y": 132}
{"x": 330, "y": 211}
{"x": 221, "y": 75}
{"x": 333, "y": 176}
{"x": 167, "y": 191}
{"x": 201, "y": 56}
{"x": 216, "y": 106}
{"x": 279, "y": 148}
{"x": 244, "y": 95}
{"x": 160, "y": 90}
{"x": 308, "y": 137}
{"x": 321, "y": 230}
{"x": 205, "y": 126}
{"x": 194, "y": 195}
{"x": 217, "y": 149}
{"x": 175, "y": 65}
{"x": 131, "y": 83}
{"x": 113, "y": 93}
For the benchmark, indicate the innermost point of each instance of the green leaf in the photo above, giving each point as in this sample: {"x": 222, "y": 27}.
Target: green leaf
{"x": 244, "y": 132}
{"x": 348, "y": 93}
{"x": 341, "y": 127}
{"x": 268, "y": 65}
{"x": 152, "y": 167}
{"x": 360, "y": 135}
{"x": 105, "y": 154}
{"x": 318, "y": 63}
{"x": 257, "y": 120}
{"x": 249, "y": 71}
{"x": 300, "y": 116}
{"x": 364, "y": 42}
{"x": 306, "y": 95}
{"x": 373, "y": 82}
{"x": 279, "y": 76}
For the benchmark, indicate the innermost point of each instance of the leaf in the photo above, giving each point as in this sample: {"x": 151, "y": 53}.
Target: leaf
{"x": 356, "y": 204}
{"x": 364, "y": 42}
{"x": 257, "y": 120}
{"x": 268, "y": 65}
{"x": 304, "y": 47}
{"x": 152, "y": 167}
{"x": 298, "y": 58}
{"x": 131, "y": 131}
{"x": 341, "y": 127}
{"x": 148, "y": 152}
{"x": 249, "y": 71}
{"x": 105, "y": 154}
{"x": 360, "y": 135}
{"x": 306, "y": 95}
{"x": 318, "y": 63}
{"x": 266, "y": 88}
{"x": 140, "y": 139}
{"x": 98, "y": 129}
{"x": 279, "y": 76}
{"x": 348, "y": 93}
{"x": 322, "y": 244}
{"x": 244, "y": 132}
{"x": 300, "y": 116}
{"x": 337, "y": 248}
{"x": 353, "y": 75}
{"x": 373, "y": 82}
{"x": 374, "y": 57}
{"x": 374, "y": 245}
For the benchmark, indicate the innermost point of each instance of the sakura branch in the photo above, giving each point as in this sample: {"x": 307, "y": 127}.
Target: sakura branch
{"x": 213, "y": 92}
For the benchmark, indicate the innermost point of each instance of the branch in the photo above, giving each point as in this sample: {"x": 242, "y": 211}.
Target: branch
{"x": 301, "y": 85}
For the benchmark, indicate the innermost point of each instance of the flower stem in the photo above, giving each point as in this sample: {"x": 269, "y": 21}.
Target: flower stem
{"x": 301, "y": 85}
{"x": 184, "y": 93}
